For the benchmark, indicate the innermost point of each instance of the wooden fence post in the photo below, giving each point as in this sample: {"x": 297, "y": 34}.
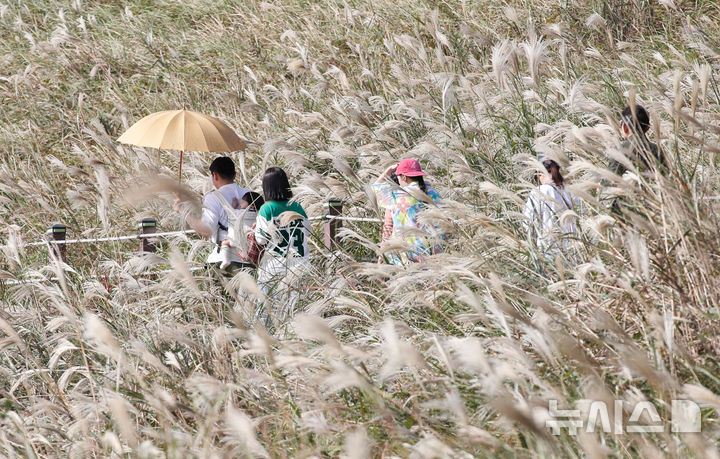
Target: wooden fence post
{"x": 333, "y": 207}
{"x": 58, "y": 232}
{"x": 147, "y": 226}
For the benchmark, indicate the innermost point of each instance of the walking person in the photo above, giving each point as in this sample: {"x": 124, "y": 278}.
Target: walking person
{"x": 645, "y": 156}
{"x": 405, "y": 201}
{"x": 547, "y": 227}
{"x": 214, "y": 222}
{"x": 282, "y": 227}
{"x": 636, "y": 147}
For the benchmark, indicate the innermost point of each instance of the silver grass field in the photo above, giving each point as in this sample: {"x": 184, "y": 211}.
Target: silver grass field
{"x": 122, "y": 354}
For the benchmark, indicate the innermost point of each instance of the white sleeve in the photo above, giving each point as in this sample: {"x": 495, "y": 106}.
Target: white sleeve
{"x": 211, "y": 212}
{"x": 262, "y": 230}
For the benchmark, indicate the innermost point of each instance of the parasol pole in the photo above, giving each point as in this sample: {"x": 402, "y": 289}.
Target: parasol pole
{"x": 182, "y": 114}
{"x": 180, "y": 173}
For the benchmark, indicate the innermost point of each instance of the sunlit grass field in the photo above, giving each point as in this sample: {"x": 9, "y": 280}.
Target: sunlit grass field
{"x": 124, "y": 354}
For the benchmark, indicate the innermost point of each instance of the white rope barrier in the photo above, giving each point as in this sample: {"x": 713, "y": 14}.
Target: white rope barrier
{"x": 109, "y": 239}
{"x": 173, "y": 233}
{"x": 137, "y": 237}
{"x": 348, "y": 219}
{"x": 354, "y": 219}
{"x": 184, "y": 232}
{"x": 166, "y": 233}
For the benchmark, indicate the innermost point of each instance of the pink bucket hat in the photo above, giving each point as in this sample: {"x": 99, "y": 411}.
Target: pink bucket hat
{"x": 410, "y": 168}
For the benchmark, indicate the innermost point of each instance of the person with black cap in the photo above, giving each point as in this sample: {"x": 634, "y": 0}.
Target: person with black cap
{"x": 547, "y": 223}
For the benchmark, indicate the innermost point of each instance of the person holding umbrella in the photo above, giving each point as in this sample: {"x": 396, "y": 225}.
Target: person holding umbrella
{"x": 214, "y": 222}
{"x": 186, "y": 130}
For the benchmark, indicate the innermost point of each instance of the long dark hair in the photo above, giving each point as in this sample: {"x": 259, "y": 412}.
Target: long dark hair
{"x": 275, "y": 184}
{"x": 420, "y": 181}
{"x": 554, "y": 169}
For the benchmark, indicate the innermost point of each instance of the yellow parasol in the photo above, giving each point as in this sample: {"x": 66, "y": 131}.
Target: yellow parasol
{"x": 182, "y": 130}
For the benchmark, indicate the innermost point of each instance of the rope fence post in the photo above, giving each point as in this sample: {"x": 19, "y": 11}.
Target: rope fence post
{"x": 333, "y": 208}
{"x": 147, "y": 226}
{"x": 58, "y": 232}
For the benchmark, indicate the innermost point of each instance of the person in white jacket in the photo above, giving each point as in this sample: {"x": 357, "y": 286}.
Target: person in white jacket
{"x": 214, "y": 223}
{"x": 551, "y": 211}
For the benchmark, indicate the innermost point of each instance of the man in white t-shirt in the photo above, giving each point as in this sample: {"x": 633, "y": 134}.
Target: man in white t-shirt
{"x": 213, "y": 223}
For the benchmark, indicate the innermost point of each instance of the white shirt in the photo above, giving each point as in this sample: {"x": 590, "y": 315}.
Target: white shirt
{"x": 214, "y": 215}
{"x": 544, "y": 209}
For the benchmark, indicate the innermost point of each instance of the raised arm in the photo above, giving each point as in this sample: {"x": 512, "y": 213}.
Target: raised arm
{"x": 384, "y": 189}
{"x": 385, "y": 176}
{"x": 195, "y": 223}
